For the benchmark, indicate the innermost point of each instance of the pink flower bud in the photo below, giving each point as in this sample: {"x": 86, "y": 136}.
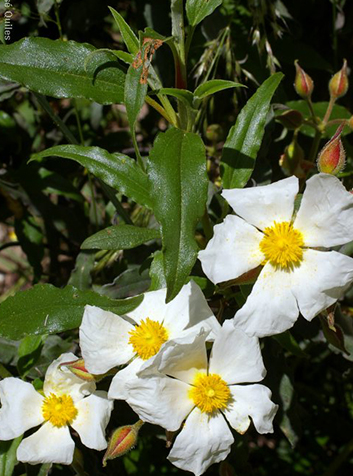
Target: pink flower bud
{"x": 303, "y": 84}
{"x": 122, "y": 440}
{"x": 331, "y": 159}
{"x": 77, "y": 367}
{"x": 338, "y": 84}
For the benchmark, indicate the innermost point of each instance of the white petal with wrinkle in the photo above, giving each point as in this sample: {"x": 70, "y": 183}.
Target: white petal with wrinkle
{"x": 118, "y": 387}
{"x": 182, "y": 358}
{"x": 104, "y": 340}
{"x": 152, "y": 306}
{"x": 60, "y": 380}
{"x": 271, "y": 307}
{"x": 233, "y": 250}
{"x": 325, "y": 216}
{"x": 320, "y": 280}
{"x": 47, "y": 445}
{"x": 236, "y": 357}
{"x": 263, "y": 205}
{"x": 189, "y": 312}
{"x": 92, "y": 419}
{"x": 21, "y": 408}
{"x": 160, "y": 400}
{"x": 251, "y": 401}
{"x": 204, "y": 440}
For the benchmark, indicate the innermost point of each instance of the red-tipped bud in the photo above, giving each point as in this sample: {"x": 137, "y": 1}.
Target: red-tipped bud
{"x": 331, "y": 159}
{"x": 338, "y": 84}
{"x": 303, "y": 84}
{"x": 77, "y": 367}
{"x": 291, "y": 119}
{"x": 122, "y": 440}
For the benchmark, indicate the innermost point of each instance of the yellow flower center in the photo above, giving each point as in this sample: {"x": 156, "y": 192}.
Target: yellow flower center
{"x": 209, "y": 393}
{"x": 147, "y": 338}
{"x": 60, "y": 411}
{"x": 282, "y": 245}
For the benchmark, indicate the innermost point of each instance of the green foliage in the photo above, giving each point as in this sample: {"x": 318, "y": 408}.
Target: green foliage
{"x": 177, "y": 171}
{"x": 120, "y": 237}
{"x": 57, "y": 69}
{"x": 197, "y": 10}
{"x": 244, "y": 139}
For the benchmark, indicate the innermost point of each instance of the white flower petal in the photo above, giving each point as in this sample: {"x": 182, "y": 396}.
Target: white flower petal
{"x": 189, "y": 312}
{"x": 180, "y": 358}
{"x": 271, "y": 307}
{"x": 236, "y": 357}
{"x": 152, "y": 306}
{"x": 21, "y": 408}
{"x": 251, "y": 401}
{"x": 160, "y": 400}
{"x": 118, "y": 387}
{"x": 60, "y": 380}
{"x": 321, "y": 280}
{"x": 104, "y": 340}
{"x": 92, "y": 419}
{"x": 47, "y": 445}
{"x": 325, "y": 216}
{"x": 233, "y": 250}
{"x": 263, "y": 205}
{"x": 204, "y": 440}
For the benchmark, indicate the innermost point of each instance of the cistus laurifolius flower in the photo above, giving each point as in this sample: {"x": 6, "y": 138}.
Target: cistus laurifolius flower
{"x": 332, "y": 158}
{"x": 66, "y": 401}
{"x": 296, "y": 276}
{"x": 203, "y": 396}
{"x": 108, "y": 340}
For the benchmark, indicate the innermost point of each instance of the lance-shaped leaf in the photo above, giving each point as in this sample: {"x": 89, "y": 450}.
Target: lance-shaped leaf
{"x": 120, "y": 237}
{"x": 244, "y": 139}
{"x": 45, "y": 309}
{"x": 130, "y": 39}
{"x": 117, "y": 170}
{"x": 214, "y": 86}
{"x": 57, "y": 68}
{"x": 197, "y": 10}
{"x": 177, "y": 171}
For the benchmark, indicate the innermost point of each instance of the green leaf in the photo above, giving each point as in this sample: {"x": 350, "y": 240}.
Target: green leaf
{"x": 183, "y": 95}
{"x": 30, "y": 237}
{"x": 130, "y": 39}
{"x": 244, "y": 139}
{"x": 57, "y": 69}
{"x": 45, "y": 309}
{"x": 129, "y": 283}
{"x": 117, "y": 170}
{"x": 157, "y": 272}
{"x": 338, "y": 112}
{"x": 177, "y": 171}
{"x": 197, "y": 10}
{"x": 120, "y": 237}
{"x": 214, "y": 86}
{"x": 8, "y": 458}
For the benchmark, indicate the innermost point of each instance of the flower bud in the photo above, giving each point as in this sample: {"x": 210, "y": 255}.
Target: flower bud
{"x": 338, "y": 84}
{"x": 303, "y": 84}
{"x": 77, "y": 367}
{"x": 331, "y": 159}
{"x": 122, "y": 440}
{"x": 291, "y": 119}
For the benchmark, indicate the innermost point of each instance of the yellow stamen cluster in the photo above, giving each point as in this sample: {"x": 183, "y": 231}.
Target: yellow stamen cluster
{"x": 282, "y": 245}
{"x": 147, "y": 338}
{"x": 59, "y": 410}
{"x": 209, "y": 393}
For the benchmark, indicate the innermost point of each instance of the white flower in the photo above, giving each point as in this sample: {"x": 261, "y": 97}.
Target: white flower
{"x": 206, "y": 394}
{"x": 65, "y": 403}
{"x": 296, "y": 277}
{"x": 108, "y": 340}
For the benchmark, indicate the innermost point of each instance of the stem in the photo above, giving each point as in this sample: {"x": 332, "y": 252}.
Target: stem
{"x": 310, "y": 104}
{"x": 328, "y": 111}
{"x": 188, "y": 41}
{"x": 315, "y": 146}
{"x": 178, "y": 32}
{"x": 118, "y": 206}
{"x": 58, "y": 22}
{"x": 169, "y": 108}
{"x": 158, "y": 108}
